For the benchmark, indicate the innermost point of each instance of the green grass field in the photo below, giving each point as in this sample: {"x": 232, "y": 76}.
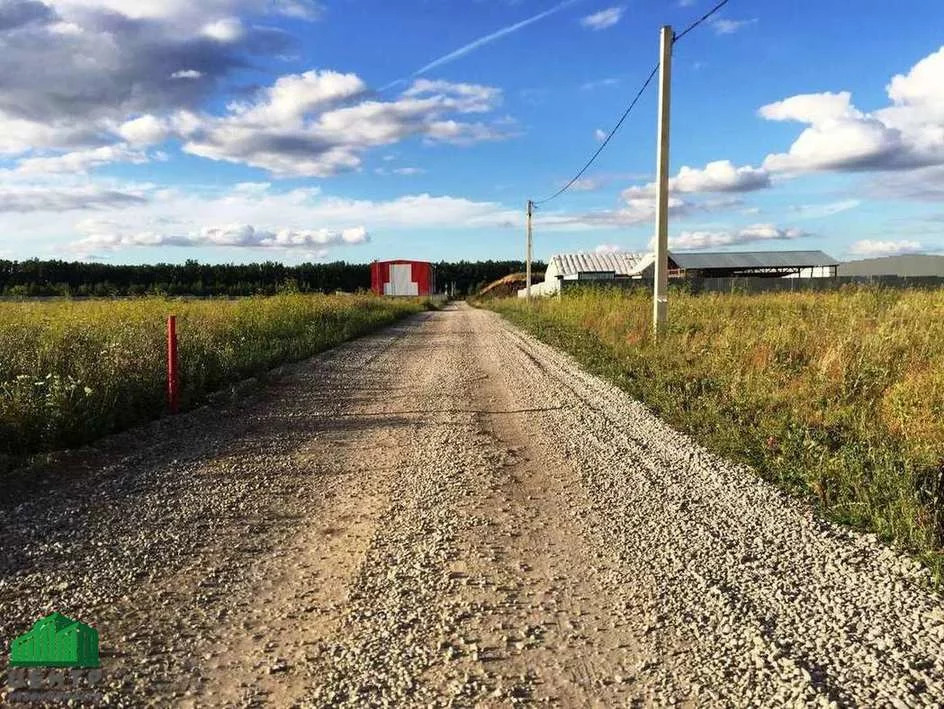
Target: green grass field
{"x": 71, "y": 371}
{"x": 836, "y": 396}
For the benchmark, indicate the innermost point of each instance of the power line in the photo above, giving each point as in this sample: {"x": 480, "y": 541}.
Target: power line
{"x": 605, "y": 141}
{"x": 700, "y": 20}
{"x": 652, "y": 74}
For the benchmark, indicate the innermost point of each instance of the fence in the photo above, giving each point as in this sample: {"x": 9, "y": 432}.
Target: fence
{"x": 756, "y": 284}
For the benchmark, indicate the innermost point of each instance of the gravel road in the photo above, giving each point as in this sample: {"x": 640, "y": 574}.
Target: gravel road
{"x": 451, "y": 513}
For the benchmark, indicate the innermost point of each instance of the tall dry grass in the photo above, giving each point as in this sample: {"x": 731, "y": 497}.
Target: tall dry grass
{"x": 838, "y": 396}
{"x": 71, "y": 371}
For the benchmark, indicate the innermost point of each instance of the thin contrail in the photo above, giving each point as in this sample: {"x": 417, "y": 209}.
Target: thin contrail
{"x": 482, "y": 41}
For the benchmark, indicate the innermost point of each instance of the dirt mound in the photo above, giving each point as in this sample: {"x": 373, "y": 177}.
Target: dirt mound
{"x": 509, "y": 285}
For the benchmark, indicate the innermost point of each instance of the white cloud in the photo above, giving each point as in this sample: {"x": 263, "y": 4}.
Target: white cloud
{"x": 868, "y": 248}
{"x": 724, "y": 26}
{"x": 587, "y": 184}
{"x": 408, "y": 171}
{"x": 81, "y": 161}
{"x": 226, "y": 30}
{"x": 715, "y": 239}
{"x": 839, "y": 136}
{"x": 633, "y": 212}
{"x": 144, "y": 130}
{"x": 53, "y": 199}
{"x": 600, "y": 134}
{"x": 187, "y": 11}
{"x": 608, "y": 249}
{"x": 718, "y": 176}
{"x": 599, "y": 83}
{"x": 603, "y": 19}
{"x": 20, "y": 135}
{"x": 818, "y": 211}
{"x": 924, "y": 184}
{"x": 312, "y": 124}
{"x": 906, "y": 135}
{"x": 186, "y": 74}
{"x": 146, "y": 65}
{"x": 104, "y": 61}
{"x": 297, "y": 219}
{"x": 109, "y": 236}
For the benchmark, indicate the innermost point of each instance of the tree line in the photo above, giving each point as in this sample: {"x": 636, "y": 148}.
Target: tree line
{"x": 35, "y": 278}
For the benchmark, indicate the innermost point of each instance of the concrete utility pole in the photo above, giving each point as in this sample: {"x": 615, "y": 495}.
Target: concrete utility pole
{"x": 661, "y": 285}
{"x": 527, "y": 267}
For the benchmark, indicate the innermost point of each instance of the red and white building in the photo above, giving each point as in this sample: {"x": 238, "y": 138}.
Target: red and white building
{"x": 402, "y": 277}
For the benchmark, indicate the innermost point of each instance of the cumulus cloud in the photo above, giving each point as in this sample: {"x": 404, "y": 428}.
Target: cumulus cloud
{"x": 144, "y": 130}
{"x": 81, "y": 161}
{"x": 100, "y": 216}
{"x": 119, "y": 76}
{"x": 718, "y": 176}
{"x": 42, "y": 198}
{"x": 867, "y": 248}
{"x": 603, "y": 19}
{"x": 187, "y": 11}
{"x": 15, "y": 14}
{"x": 907, "y": 134}
{"x": 110, "y": 236}
{"x": 106, "y": 60}
{"x": 697, "y": 240}
{"x": 319, "y": 123}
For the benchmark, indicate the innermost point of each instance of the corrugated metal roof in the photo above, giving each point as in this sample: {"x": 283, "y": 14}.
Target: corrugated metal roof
{"x": 621, "y": 263}
{"x": 752, "y": 259}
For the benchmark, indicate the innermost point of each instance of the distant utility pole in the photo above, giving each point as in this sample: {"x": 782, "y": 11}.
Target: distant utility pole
{"x": 661, "y": 285}
{"x": 527, "y": 260}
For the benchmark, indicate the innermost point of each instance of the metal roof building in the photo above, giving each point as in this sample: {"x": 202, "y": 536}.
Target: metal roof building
{"x": 620, "y": 264}
{"x": 719, "y": 264}
{"x": 776, "y": 264}
{"x": 588, "y": 267}
{"x": 907, "y": 265}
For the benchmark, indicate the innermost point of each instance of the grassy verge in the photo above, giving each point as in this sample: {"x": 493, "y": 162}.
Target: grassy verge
{"x": 72, "y": 371}
{"x": 835, "y": 396}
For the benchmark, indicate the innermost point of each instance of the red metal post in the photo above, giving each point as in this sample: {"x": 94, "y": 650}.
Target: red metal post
{"x": 173, "y": 376}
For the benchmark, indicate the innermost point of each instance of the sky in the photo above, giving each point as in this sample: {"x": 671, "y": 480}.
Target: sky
{"x": 136, "y": 131}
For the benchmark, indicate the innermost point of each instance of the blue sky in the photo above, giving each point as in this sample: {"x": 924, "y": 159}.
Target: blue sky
{"x": 295, "y": 130}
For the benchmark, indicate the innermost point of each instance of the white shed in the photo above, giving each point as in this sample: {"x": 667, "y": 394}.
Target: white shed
{"x": 589, "y": 267}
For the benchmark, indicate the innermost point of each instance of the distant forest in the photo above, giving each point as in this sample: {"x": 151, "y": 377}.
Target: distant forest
{"x": 35, "y": 278}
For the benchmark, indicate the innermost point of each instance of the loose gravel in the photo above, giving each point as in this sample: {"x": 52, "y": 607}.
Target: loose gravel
{"x": 450, "y": 513}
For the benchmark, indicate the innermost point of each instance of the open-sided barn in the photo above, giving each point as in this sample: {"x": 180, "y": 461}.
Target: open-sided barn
{"x": 621, "y": 266}
{"x": 768, "y": 264}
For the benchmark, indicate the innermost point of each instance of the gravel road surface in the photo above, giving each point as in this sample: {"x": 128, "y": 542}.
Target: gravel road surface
{"x": 450, "y": 513}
